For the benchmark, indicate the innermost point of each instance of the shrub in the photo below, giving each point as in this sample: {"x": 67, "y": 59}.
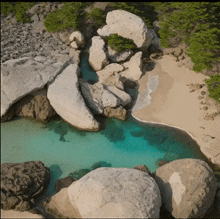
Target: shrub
{"x": 214, "y": 87}
{"x": 119, "y": 43}
{"x": 98, "y": 16}
{"x": 67, "y": 17}
{"x": 195, "y": 23}
{"x": 19, "y": 10}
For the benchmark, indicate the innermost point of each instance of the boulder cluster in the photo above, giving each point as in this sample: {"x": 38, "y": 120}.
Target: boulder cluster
{"x": 185, "y": 188}
{"x": 57, "y": 80}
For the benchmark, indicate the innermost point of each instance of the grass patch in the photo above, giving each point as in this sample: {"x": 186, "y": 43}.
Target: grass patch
{"x": 214, "y": 87}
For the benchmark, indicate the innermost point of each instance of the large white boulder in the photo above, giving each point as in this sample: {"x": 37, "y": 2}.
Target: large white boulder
{"x": 97, "y": 56}
{"x": 66, "y": 99}
{"x": 77, "y": 39}
{"x": 23, "y": 76}
{"x": 133, "y": 68}
{"x": 187, "y": 186}
{"x": 127, "y": 25}
{"x": 110, "y": 75}
{"x": 115, "y": 193}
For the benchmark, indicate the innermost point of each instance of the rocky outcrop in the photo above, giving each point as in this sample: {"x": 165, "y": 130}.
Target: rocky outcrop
{"x": 75, "y": 56}
{"x": 142, "y": 168}
{"x": 66, "y": 99}
{"x": 21, "y": 183}
{"x": 116, "y": 113}
{"x": 110, "y": 75}
{"x": 118, "y": 56}
{"x": 124, "y": 97}
{"x": 115, "y": 192}
{"x": 35, "y": 106}
{"x": 77, "y": 40}
{"x": 97, "y": 97}
{"x": 187, "y": 187}
{"x": 63, "y": 183}
{"x": 97, "y": 56}
{"x": 133, "y": 68}
{"x": 20, "y": 77}
{"x": 60, "y": 205}
{"x": 127, "y": 25}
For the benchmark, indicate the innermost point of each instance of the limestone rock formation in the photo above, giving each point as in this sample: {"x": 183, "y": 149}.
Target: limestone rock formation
{"x": 118, "y": 56}
{"x": 115, "y": 192}
{"x": 20, "y": 77}
{"x": 35, "y": 106}
{"x": 127, "y": 25}
{"x": 75, "y": 56}
{"x": 60, "y": 205}
{"x": 66, "y": 99}
{"x": 97, "y": 97}
{"x": 21, "y": 183}
{"x": 133, "y": 68}
{"x": 124, "y": 97}
{"x": 116, "y": 113}
{"x": 142, "y": 168}
{"x": 97, "y": 56}
{"x": 78, "y": 38}
{"x": 110, "y": 75}
{"x": 187, "y": 187}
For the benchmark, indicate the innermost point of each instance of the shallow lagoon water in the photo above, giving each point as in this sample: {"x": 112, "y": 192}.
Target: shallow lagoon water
{"x": 64, "y": 149}
{"x": 121, "y": 144}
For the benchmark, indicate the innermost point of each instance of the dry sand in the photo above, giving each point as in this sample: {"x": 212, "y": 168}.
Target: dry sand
{"x": 18, "y": 214}
{"x": 173, "y": 104}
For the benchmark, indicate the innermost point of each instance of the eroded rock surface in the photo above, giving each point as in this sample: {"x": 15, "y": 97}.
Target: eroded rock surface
{"x": 127, "y": 25}
{"x": 133, "y": 68}
{"x": 21, "y": 183}
{"x": 110, "y": 75}
{"x": 66, "y": 99}
{"x": 118, "y": 56}
{"x": 115, "y": 192}
{"x": 187, "y": 186}
{"x": 97, "y": 56}
{"x": 20, "y": 77}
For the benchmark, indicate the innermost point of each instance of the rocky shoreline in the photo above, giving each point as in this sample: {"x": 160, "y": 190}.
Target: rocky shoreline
{"x": 40, "y": 82}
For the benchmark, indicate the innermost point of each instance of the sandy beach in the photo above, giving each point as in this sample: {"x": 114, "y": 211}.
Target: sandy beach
{"x": 173, "y": 104}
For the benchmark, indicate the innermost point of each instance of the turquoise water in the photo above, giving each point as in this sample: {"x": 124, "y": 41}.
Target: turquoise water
{"x": 121, "y": 144}
{"x": 64, "y": 149}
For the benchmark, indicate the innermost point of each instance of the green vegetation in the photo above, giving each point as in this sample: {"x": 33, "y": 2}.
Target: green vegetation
{"x": 19, "y": 10}
{"x": 67, "y": 17}
{"x": 119, "y": 43}
{"x": 195, "y": 23}
{"x": 98, "y": 15}
{"x": 214, "y": 87}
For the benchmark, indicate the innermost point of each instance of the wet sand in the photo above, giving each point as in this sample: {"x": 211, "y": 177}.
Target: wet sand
{"x": 173, "y": 104}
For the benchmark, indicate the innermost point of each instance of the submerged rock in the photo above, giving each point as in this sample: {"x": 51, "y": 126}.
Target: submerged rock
{"x": 127, "y": 25}
{"x": 21, "y": 183}
{"x": 63, "y": 183}
{"x": 187, "y": 186}
{"x": 66, "y": 99}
